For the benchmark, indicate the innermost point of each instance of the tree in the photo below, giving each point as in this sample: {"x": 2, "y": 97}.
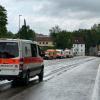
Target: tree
{"x": 26, "y": 33}
{"x": 61, "y": 38}
{"x": 64, "y": 40}
{"x": 9, "y": 34}
{"x": 96, "y": 27}
{"x": 53, "y": 33}
{"x": 3, "y": 21}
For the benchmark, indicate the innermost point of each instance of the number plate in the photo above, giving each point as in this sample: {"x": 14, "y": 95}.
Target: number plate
{"x": 6, "y": 65}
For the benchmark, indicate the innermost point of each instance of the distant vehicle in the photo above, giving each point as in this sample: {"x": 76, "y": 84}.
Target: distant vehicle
{"x": 98, "y": 54}
{"x": 59, "y": 53}
{"x": 68, "y": 53}
{"x": 20, "y": 60}
{"x": 50, "y": 54}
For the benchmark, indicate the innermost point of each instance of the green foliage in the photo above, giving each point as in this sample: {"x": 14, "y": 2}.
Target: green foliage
{"x": 44, "y": 48}
{"x": 64, "y": 40}
{"x": 25, "y": 33}
{"x": 96, "y": 27}
{"x": 61, "y": 38}
{"x": 10, "y": 35}
{"x": 3, "y": 22}
{"x": 54, "y": 31}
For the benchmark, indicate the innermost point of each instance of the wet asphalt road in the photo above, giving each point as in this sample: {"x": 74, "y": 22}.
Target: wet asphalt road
{"x": 64, "y": 79}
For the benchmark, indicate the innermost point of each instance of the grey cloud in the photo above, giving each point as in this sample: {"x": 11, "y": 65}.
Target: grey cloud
{"x": 77, "y": 9}
{"x": 60, "y": 8}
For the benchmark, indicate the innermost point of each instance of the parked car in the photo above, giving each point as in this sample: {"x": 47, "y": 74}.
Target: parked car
{"x": 20, "y": 60}
{"x": 98, "y": 54}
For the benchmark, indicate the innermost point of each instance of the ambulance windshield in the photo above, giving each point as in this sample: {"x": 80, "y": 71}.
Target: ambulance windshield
{"x": 9, "y": 50}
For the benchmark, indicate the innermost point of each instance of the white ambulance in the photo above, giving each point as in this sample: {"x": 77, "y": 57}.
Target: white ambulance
{"x": 20, "y": 60}
{"x": 68, "y": 53}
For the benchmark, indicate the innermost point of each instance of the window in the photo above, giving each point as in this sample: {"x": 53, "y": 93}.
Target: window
{"x": 34, "y": 50}
{"x": 9, "y": 50}
{"x": 26, "y": 50}
{"x": 46, "y": 42}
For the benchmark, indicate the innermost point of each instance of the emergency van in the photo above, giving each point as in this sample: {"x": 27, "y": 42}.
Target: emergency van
{"x": 50, "y": 54}
{"x": 68, "y": 53}
{"x": 20, "y": 60}
{"x": 59, "y": 53}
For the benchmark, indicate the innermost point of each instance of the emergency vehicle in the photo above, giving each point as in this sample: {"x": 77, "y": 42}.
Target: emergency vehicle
{"x": 59, "y": 53}
{"x": 20, "y": 60}
{"x": 68, "y": 53}
{"x": 50, "y": 54}
{"x": 98, "y": 53}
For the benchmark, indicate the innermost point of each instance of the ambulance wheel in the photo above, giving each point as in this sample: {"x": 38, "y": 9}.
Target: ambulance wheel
{"x": 26, "y": 79}
{"x": 14, "y": 83}
{"x": 41, "y": 75}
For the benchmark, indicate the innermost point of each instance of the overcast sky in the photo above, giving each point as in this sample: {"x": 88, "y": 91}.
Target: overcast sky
{"x": 41, "y": 15}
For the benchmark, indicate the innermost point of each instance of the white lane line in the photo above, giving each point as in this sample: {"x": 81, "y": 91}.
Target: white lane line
{"x": 96, "y": 90}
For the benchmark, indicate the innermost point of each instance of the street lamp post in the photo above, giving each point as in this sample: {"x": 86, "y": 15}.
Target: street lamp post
{"x": 19, "y": 25}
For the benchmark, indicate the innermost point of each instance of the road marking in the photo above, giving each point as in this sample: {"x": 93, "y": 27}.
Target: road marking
{"x": 96, "y": 90}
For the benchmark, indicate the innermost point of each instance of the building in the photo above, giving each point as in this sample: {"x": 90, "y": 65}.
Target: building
{"x": 93, "y": 51}
{"x": 78, "y": 46}
{"x": 45, "y": 41}
{"x": 41, "y": 35}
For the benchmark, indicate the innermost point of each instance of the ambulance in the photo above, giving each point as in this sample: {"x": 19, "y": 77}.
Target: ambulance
{"x": 50, "y": 54}
{"x": 59, "y": 53}
{"x": 20, "y": 60}
{"x": 68, "y": 53}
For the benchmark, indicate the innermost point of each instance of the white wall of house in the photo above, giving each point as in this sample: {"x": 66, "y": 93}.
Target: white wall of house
{"x": 79, "y": 49}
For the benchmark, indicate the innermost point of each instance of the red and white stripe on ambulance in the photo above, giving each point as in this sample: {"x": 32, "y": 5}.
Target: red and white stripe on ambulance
{"x": 18, "y": 61}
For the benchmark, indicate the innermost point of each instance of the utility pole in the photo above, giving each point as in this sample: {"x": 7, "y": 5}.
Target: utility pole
{"x": 19, "y": 25}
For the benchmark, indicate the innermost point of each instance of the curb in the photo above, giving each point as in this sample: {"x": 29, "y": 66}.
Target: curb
{"x": 96, "y": 90}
